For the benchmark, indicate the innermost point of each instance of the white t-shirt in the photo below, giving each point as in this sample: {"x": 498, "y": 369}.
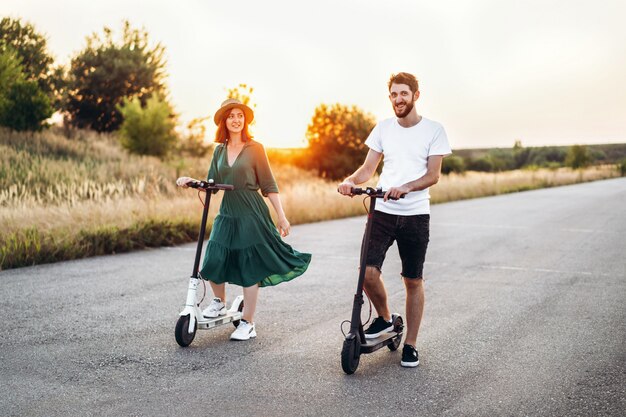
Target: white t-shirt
{"x": 405, "y": 153}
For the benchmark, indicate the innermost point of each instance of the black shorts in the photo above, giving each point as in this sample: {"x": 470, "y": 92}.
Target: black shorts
{"x": 411, "y": 234}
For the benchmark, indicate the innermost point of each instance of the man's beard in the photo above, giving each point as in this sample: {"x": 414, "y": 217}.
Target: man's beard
{"x": 407, "y": 109}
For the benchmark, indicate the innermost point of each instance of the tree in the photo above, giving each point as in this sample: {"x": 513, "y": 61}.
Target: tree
{"x": 106, "y": 72}
{"x": 149, "y": 129}
{"x": 242, "y": 93}
{"x": 31, "y": 49}
{"x": 336, "y": 138}
{"x": 23, "y": 105}
{"x": 578, "y": 157}
{"x": 521, "y": 155}
{"x": 10, "y": 69}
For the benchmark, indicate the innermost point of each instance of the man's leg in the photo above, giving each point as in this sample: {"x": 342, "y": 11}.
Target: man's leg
{"x": 414, "y": 308}
{"x": 374, "y": 287}
{"x": 412, "y": 245}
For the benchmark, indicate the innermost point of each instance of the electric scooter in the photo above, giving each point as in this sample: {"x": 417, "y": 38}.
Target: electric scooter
{"x": 191, "y": 318}
{"x": 355, "y": 343}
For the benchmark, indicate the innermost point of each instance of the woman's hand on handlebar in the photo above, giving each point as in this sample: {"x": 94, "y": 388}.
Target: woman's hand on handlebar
{"x": 346, "y": 187}
{"x": 183, "y": 181}
{"x": 395, "y": 193}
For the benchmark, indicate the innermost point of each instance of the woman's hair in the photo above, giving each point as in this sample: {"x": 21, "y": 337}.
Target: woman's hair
{"x": 221, "y": 134}
{"x": 404, "y": 78}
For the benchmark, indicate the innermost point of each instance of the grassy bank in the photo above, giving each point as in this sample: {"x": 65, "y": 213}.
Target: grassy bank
{"x": 64, "y": 199}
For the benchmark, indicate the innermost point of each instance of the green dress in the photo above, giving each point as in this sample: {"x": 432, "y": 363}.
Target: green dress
{"x": 244, "y": 247}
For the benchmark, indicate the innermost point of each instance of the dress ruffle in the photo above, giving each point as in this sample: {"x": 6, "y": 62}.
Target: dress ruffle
{"x": 246, "y": 249}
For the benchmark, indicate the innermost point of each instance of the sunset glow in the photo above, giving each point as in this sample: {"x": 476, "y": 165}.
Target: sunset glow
{"x": 490, "y": 72}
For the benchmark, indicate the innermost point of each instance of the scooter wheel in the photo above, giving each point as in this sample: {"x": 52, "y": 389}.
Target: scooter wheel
{"x": 398, "y": 327}
{"x": 239, "y": 309}
{"x": 183, "y": 337}
{"x": 350, "y": 354}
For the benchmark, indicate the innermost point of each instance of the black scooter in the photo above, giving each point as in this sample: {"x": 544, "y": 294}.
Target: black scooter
{"x": 355, "y": 343}
{"x": 191, "y": 318}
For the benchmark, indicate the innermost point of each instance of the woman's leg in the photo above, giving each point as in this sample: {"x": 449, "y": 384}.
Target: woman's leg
{"x": 250, "y": 295}
{"x": 219, "y": 290}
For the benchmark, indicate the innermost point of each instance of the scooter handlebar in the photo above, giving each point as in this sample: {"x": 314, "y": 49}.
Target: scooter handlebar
{"x": 210, "y": 186}
{"x": 372, "y": 192}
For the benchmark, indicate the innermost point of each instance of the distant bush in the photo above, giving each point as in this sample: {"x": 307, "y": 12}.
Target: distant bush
{"x": 622, "y": 167}
{"x": 578, "y": 157}
{"x": 147, "y": 130}
{"x": 597, "y": 155}
{"x": 519, "y": 157}
{"x": 23, "y": 104}
{"x": 453, "y": 163}
{"x": 482, "y": 164}
{"x": 25, "y": 107}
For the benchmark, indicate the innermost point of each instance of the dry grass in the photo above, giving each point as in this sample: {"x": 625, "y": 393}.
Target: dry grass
{"x": 305, "y": 198}
{"x": 65, "y": 199}
{"x": 479, "y": 184}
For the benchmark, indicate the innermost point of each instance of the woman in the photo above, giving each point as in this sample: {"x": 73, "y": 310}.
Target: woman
{"x": 244, "y": 247}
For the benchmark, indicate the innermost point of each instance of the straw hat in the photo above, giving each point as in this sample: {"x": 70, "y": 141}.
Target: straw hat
{"x": 232, "y": 103}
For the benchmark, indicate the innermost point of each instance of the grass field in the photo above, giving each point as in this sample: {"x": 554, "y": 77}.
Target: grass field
{"x": 65, "y": 198}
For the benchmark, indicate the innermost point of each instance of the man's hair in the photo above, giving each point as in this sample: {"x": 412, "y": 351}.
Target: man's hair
{"x": 404, "y": 78}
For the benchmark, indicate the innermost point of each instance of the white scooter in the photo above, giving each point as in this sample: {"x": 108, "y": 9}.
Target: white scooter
{"x": 191, "y": 318}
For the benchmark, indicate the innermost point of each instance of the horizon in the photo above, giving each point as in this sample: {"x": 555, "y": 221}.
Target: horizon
{"x": 564, "y": 145}
{"x": 491, "y": 73}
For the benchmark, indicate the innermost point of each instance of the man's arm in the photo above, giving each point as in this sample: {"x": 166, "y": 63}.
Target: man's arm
{"x": 362, "y": 174}
{"x": 433, "y": 171}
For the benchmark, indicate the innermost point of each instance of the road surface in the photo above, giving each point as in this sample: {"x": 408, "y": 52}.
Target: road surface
{"x": 525, "y": 315}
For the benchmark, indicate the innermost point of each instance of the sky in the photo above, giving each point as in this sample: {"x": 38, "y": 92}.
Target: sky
{"x": 544, "y": 72}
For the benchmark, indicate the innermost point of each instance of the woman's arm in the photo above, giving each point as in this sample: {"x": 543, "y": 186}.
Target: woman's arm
{"x": 283, "y": 224}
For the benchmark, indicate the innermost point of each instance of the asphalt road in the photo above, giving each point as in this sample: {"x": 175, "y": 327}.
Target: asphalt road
{"x": 525, "y": 315}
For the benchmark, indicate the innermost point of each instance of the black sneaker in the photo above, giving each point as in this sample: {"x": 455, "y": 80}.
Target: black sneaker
{"x": 410, "y": 359}
{"x": 378, "y": 327}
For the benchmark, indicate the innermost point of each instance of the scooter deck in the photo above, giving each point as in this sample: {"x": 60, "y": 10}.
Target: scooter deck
{"x": 208, "y": 323}
{"x": 372, "y": 345}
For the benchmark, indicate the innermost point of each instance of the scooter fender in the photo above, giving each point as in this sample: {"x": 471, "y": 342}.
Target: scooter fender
{"x": 190, "y": 305}
{"x": 234, "y": 308}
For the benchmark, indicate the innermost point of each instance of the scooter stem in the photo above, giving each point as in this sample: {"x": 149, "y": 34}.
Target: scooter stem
{"x": 355, "y": 323}
{"x": 205, "y": 213}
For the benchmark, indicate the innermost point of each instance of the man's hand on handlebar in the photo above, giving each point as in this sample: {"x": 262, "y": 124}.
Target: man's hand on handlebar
{"x": 346, "y": 187}
{"x": 395, "y": 193}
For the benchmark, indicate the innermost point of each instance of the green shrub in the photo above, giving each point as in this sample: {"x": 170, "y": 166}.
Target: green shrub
{"x": 147, "y": 130}
{"x": 25, "y": 107}
{"x": 483, "y": 164}
{"x": 453, "y": 163}
{"x": 578, "y": 157}
{"x": 23, "y": 104}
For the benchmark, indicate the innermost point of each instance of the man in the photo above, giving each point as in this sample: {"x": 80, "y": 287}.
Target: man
{"x": 412, "y": 148}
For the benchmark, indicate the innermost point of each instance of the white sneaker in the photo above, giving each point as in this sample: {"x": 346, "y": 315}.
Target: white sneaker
{"x": 244, "y": 331}
{"x": 216, "y": 308}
